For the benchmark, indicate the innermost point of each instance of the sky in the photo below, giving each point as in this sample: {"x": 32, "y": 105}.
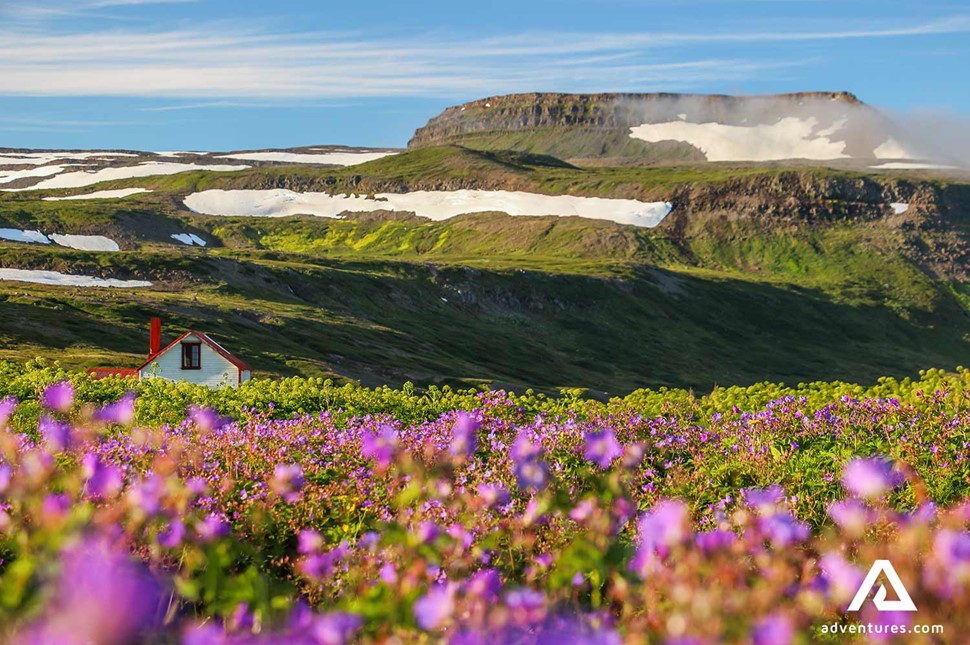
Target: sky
{"x": 227, "y": 75}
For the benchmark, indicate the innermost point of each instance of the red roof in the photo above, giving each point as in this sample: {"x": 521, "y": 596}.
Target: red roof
{"x": 205, "y": 339}
{"x": 98, "y": 373}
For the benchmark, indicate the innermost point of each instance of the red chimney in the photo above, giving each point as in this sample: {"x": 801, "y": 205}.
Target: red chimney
{"x": 155, "y": 337}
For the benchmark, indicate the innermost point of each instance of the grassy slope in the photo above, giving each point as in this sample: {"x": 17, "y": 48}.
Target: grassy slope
{"x": 538, "y": 301}
{"x": 583, "y": 144}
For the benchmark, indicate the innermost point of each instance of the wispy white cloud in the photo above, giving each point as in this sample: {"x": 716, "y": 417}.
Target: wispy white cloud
{"x": 98, "y": 4}
{"x": 220, "y": 61}
{"x": 41, "y": 11}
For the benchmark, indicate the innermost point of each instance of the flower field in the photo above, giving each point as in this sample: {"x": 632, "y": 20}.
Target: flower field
{"x": 300, "y": 512}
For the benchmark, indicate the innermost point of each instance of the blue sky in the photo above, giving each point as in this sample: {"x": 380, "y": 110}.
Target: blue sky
{"x": 238, "y": 74}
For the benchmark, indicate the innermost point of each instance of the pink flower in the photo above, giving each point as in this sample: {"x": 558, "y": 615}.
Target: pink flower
{"x": 869, "y": 478}
{"x": 435, "y": 607}
{"x": 121, "y": 411}
{"x": 58, "y": 397}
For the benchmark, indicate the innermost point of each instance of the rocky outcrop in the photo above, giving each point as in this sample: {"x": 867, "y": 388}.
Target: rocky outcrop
{"x": 518, "y": 112}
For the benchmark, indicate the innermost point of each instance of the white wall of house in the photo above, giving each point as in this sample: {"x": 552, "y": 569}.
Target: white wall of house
{"x": 215, "y": 369}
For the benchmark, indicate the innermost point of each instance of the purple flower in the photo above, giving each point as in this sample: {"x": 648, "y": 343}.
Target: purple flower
{"x": 121, "y": 411}
{"x": 102, "y": 481}
{"x": 764, "y": 499}
{"x": 212, "y": 528}
{"x": 527, "y": 605}
{"x": 336, "y": 628}
{"x": 716, "y": 540}
{"x": 379, "y": 446}
{"x": 56, "y": 434}
{"x": 55, "y": 507}
{"x": 485, "y": 584}
{"x": 206, "y": 420}
{"x": 301, "y": 616}
{"x": 172, "y": 536}
{"x": 850, "y": 515}
{"x": 567, "y": 630}
{"x": 369, "y": 540}
{"x": 841, "y": 577}
{"x": 884, "y": 621}
{"x": 663, "y": 527}
{"x": 58, "y": 397}
{"x": 773, "y": 630}
{"x": 783, "y": 530}
{"x": 242, "y": 618}
{"x": 602, "y": 447}
{"x": 952, "y": 548}
{"x": 309, "y": 541}
{"x": 459, "y": 534}
{"x": 6, "y": 474}
{"x": 427, "y": 532}
{"x": 435, "y": 607}
{"x": 388, "y": 573}
{"x": 582, "y": 511}
{"x": 287, "y": 482}
{"x": 146, "y": 495}
{"x": 494, "y": 494}
{"x": 529, "y": 470}
{"x": 464, "y": 440}
{"x": 7, "y": 407}
{"x": 869, "y": 478}
{"x": 207, "y": 634}
{"x": 320, "y": 565}
{"x": 101, "y": 597}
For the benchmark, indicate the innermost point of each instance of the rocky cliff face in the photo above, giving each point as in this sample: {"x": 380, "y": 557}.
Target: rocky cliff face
{"x": 674, "y": 128}
{"x": 516, "y": 112}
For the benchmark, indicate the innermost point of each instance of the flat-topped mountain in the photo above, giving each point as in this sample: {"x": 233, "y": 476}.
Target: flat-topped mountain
{"x": 675, "y": 128}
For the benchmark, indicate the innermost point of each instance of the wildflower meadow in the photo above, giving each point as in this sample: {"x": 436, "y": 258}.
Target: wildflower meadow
{"x": 298, "y": 512}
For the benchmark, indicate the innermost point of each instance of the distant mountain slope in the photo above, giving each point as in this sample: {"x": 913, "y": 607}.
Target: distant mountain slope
{"x": 385, "y": 266}
{"x": 674, "y": 128}
{"x": 757, "y": 273}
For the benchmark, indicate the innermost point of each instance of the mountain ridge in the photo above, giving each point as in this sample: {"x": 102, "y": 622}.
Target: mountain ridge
{"x": 671, "y": 128}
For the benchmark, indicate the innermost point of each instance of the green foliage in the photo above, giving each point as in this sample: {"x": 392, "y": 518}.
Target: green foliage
{"x": 161, "y": 401}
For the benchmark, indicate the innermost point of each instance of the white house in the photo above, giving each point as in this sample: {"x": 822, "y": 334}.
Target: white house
{"x": 196, "y": 358}
{"x": 192, "y": 357}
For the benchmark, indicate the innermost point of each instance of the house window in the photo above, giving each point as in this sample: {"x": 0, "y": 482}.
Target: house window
{"x": 191, "y": 356}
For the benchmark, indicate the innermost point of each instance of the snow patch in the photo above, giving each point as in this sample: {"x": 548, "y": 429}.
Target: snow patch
{"x": 101, "y": 194}
{"x": 17, "y": 235}
{"x": 67, "y": 280}
{"x": 789, "y": 138}
{"x": 10, "y": 176}
{"x": 899, "y": 207}
{"x": 435, "y": 205}
{"x": 911, "y": 165}
{"x": 329, "y": 158}
{"x": 147, "y": 169}
{"x": 86, "y": 242}
{"x": 188, "y": 239}
{"x": 46, "y": 157}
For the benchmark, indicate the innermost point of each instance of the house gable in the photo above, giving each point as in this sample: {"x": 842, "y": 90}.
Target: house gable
{"x": 215, "y": 366}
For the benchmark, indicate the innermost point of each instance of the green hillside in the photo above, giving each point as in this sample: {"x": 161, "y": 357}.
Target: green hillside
{"x": 759, "y": 273}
